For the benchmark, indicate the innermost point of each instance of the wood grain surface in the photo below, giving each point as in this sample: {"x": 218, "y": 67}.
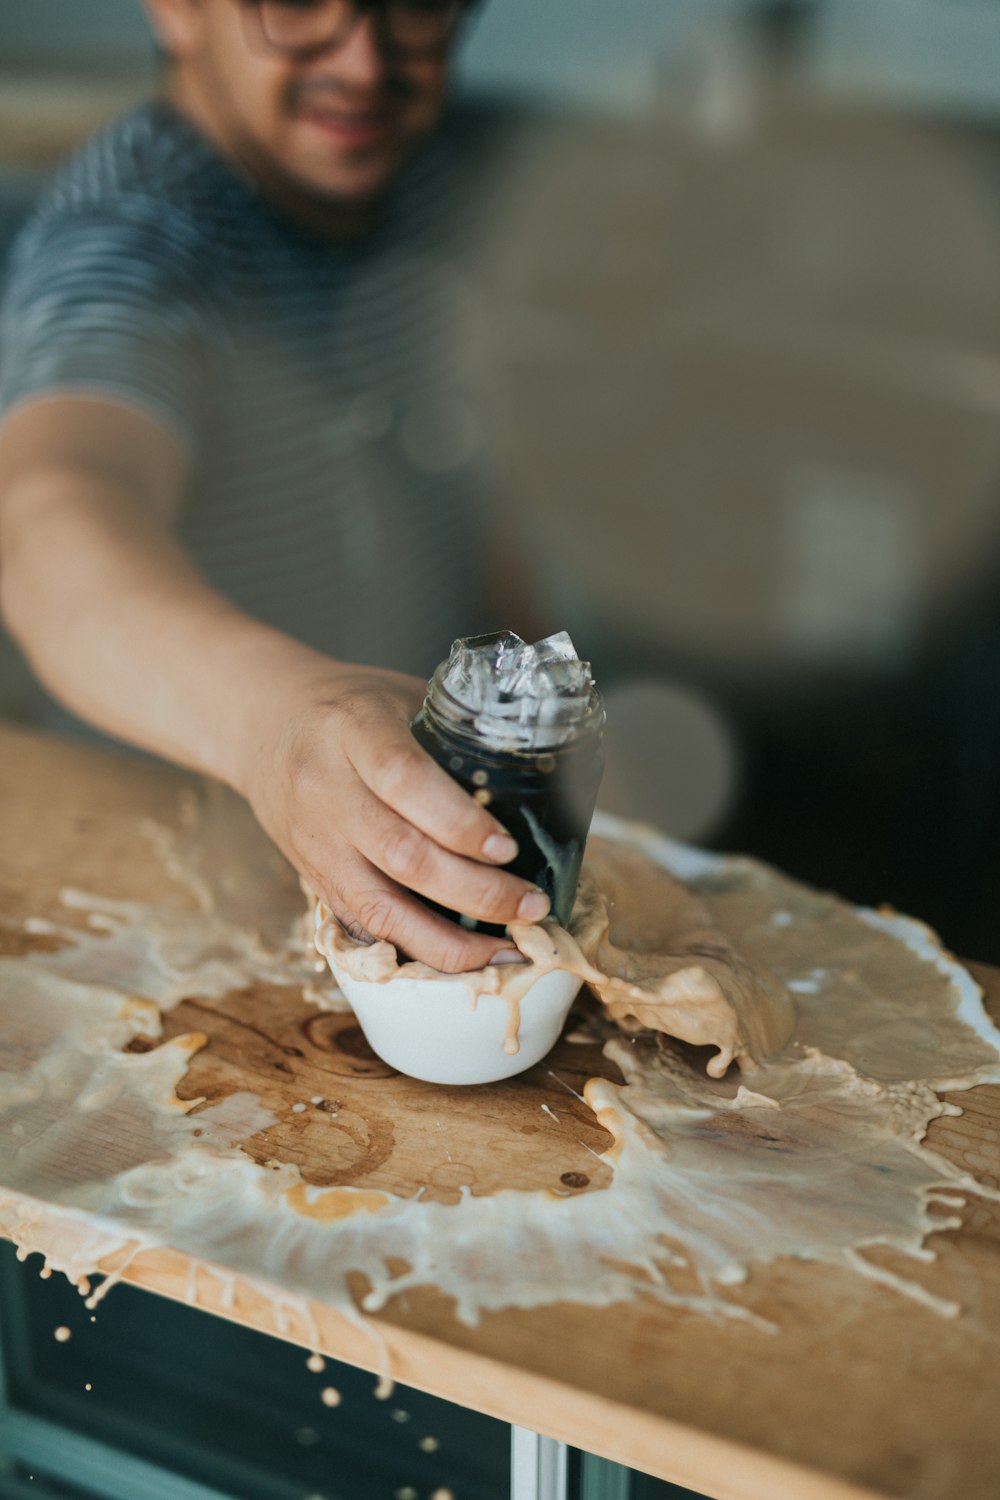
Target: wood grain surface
{"x": 860, "y": 1393}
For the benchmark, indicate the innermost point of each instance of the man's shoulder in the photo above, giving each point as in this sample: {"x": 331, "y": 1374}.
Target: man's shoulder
{"x": 143, "y": 208}
{"x": 147, "y": 167}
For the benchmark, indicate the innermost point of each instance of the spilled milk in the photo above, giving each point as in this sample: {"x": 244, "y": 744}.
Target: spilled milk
{"x": 816, "y": 1151}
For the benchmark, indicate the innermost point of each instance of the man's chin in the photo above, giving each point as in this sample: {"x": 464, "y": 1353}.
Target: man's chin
{"x": 359, "y": 194}
{"x": 351, "y": 187}
{"x": 357, "y": 177}
{"x": 338, "y": 203}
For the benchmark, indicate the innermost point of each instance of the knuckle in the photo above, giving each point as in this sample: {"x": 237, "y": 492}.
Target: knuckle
{"x": 452, "y": 956}
{"x": 393, "y": 772}
{"x": 356, "y": 930}
{"x": 374, "y": 912}
{"x": 497, "y": 898}
{"x": 353, "y": 707}
{"x": 404, "y": 852}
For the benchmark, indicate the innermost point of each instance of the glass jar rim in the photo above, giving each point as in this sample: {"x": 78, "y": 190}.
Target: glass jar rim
{"x": 511, "y": 734}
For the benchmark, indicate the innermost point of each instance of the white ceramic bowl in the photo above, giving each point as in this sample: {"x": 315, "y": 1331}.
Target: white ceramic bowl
{"x": 441, "y": 1031}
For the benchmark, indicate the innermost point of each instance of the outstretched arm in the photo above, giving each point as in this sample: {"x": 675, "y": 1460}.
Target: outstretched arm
{"x": 122, "y": 628}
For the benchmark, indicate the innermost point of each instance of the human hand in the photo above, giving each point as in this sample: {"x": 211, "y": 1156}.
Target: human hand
{"x": 337, "y": 780}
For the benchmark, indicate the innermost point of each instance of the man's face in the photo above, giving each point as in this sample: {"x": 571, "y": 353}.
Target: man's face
{"x": 332, "y": 128}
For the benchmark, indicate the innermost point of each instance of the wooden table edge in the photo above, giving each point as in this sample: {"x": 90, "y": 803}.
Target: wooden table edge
{"x": 668, "y": 1449}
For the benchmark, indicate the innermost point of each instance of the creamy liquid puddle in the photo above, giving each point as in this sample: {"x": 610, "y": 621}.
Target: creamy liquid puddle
{"x": 816, "y": 1153}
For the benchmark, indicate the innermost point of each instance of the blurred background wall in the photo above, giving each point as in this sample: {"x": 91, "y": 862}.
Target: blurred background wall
{"x": 932, "y": 54}
{"x": 739, "y": 288}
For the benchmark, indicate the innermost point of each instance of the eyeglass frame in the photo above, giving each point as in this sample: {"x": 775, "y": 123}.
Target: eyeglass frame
{"x": 460, "y": 8}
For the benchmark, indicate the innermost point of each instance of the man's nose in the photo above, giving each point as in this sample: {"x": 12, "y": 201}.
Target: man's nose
{"x": 360, "y": 57}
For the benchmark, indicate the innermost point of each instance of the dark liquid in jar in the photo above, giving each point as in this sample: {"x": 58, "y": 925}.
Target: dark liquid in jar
{"x": 544, "y": 798}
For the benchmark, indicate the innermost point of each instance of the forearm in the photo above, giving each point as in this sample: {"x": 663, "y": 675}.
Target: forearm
{"x": 122, "y": 629}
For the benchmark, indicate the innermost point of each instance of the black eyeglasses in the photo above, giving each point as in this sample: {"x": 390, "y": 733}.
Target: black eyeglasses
{"x": 300, "y": 28}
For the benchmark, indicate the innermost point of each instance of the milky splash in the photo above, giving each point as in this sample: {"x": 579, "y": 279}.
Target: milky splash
{"x": 818, "y": 1154}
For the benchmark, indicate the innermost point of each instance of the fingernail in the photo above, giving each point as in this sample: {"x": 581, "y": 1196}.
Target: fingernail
{"x": 501, "y": 847}
{"x": 507, "y": 956}
{"x": 533, "y": 907}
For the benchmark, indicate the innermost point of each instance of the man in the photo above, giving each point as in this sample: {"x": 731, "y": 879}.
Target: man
{"x": 202, "y": 347}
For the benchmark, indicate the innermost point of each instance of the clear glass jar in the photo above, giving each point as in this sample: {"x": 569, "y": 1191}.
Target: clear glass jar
{"x": 544, "y": 795}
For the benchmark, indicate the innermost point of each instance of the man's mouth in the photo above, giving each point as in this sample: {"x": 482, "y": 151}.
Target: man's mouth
{"x": 354, "y": 129}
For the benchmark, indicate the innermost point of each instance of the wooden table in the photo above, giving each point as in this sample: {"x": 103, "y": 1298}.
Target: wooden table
{"x": 860, "y": 1394}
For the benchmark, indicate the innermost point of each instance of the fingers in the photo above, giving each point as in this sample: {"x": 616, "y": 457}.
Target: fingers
{"x": 368, "y": 904}
{"x": 374, "y": 824}
{"x": 407, "y": 780}
{"x": 418, "y": 863}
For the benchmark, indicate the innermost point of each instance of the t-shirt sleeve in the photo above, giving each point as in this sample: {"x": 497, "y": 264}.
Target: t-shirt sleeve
{"x": 109, "y": 306}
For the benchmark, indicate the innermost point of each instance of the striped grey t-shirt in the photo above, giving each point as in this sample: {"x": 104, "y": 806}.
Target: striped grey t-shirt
{"x": 319, "y": 387}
